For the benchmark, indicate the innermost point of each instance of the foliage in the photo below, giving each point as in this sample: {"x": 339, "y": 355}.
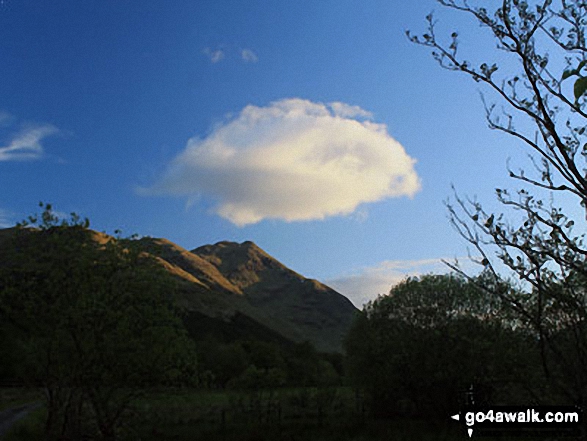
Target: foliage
{"x": 95, "y": 319}
{"x": 222, "y": 362}
{"x": 28, "y": 428}
{"x": 416, "y": 350}
{"x": 544, "y": 247}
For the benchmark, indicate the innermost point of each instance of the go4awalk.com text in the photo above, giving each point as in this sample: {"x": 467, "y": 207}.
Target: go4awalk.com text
{"x": 515, "y": 420}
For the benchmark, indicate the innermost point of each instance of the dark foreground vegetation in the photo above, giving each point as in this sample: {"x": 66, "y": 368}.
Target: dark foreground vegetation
{"x": 92, "y": 323}
{"x": 292, "y": 414}
{"x": 91, "y": 326}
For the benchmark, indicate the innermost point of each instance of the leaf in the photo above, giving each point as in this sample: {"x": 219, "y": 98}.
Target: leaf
{"x": 580, "y": 87}
{"x": 489, "y": 221}
{"x": 568, "y": 73}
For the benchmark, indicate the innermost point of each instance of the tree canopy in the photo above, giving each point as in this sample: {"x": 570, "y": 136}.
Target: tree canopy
{"x": 94, "y": 319}
{"x": 418, "y": 349}
{"x": 538, "y": 241}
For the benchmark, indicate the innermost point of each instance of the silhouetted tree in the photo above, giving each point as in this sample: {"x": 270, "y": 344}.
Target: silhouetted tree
{"x": 540, "y": 103}
{"x": 417, "y": 349}
{"x": 96, "y": 321}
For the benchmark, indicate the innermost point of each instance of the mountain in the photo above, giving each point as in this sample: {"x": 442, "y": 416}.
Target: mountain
{"x": 228, "y": 279}
{"x": 299, "y": 308}
{"x": 233, "y": 290}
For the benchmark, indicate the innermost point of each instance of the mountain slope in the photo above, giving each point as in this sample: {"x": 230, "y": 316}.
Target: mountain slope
{"x": 305, "y": 309}
{"x": 243, "y": 287}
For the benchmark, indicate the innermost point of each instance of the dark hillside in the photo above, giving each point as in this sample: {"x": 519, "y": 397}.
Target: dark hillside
{"x": 233, "y": 288}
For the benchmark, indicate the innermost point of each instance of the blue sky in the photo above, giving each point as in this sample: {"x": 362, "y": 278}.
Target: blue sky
{"x": 315, "y": 129}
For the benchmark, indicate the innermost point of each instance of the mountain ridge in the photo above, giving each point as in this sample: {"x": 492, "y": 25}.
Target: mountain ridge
{"x": 227, "y": 280}
{"x": 278, "y": 297}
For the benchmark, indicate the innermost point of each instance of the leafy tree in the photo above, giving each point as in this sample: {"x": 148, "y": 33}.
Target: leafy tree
{"x": 542, "y": 245}
{"x": 417, "y": 349}
{"x": 302, "y": 363}
{"x": 259, "y": 386}
{"x": 96, "y": 321}
{"x": 224, "y": 361}
{"x": 10, "y": 354}
{"x": 265, "y": 355}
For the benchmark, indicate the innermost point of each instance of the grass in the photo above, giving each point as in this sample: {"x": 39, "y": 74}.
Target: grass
{"x": 340, "y": 430}
{"x": 213, "y": 416}
{"x": 16, "y": 396}
{"x": 169, "y": 414}
{"x": 291, "y": 414}
{"x": 28, "y": 428}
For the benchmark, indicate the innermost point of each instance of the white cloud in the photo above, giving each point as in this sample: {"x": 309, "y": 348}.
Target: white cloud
{"x": 293, "y": 160}
{"x": 367, "y": 283}
{"x": 346, "y": 111}
{"x": 223, "y": 51}
{"x": 5, "y": 219}
{"x": 249, "y": 56}
{"x": 5, "y": 119}
{"x": 26, "y": 144}
{"x": 214, "y": 55}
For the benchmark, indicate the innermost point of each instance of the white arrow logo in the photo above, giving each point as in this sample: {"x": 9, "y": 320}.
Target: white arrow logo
{"x": 456, "y": 417}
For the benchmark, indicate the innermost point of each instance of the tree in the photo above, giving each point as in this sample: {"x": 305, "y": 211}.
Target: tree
{"x": 544, "y": 249}
{"x": 96, "y": 321}
{"x": 224, "y": 361}
{"x": 417, "y": 349}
